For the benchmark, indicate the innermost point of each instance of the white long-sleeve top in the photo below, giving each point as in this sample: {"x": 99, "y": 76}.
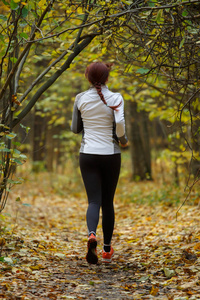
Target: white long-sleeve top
{"x": 102, "y": 126}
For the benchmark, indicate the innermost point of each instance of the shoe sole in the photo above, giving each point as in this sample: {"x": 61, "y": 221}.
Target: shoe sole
{"x": 91, "y": 256}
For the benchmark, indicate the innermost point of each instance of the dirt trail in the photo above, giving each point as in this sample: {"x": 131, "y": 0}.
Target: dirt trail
{"x": 44, "y": 256}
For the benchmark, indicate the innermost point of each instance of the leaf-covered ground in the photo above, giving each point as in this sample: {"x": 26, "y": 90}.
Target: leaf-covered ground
{"x": 156, "y": 256}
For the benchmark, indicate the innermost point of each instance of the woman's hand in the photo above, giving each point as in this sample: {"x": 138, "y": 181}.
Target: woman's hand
{"x": 124, "y": 145}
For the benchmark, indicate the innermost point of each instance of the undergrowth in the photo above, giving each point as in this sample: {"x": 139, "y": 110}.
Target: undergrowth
{"x": 69, "y": 183}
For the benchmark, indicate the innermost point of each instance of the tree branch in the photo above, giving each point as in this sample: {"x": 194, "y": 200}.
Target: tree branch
{"x": 54, "y": 63}
{"x": 117, "y": 15}
{"x": 53, "y": 78}
{"x": 12, "y": 72}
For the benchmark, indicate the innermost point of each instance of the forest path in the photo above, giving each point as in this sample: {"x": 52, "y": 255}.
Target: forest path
{"x": 44, "y": 255}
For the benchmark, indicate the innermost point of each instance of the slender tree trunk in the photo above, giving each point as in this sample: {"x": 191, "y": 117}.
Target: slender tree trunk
{"x": 146, "y": 141}
{"x": 195, "y": 140}
{"x": 139, "y": 142}
{"x": 49, "y": 149}
{"x": 39, "y": 141}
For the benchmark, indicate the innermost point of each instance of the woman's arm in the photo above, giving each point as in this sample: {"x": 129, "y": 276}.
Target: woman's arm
{"x": 77, "y": 123}
{"x": 120, "y": 125}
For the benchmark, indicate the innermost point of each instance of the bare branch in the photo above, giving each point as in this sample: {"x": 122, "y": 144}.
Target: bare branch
{"x": 117, "y": 15}
{"x": 78, "y": 48}
{"x": 12, "y": 72}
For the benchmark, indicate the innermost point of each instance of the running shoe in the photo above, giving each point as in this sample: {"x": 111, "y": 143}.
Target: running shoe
{"x": 91, "y": 256}
{"x": 107, "y": 256}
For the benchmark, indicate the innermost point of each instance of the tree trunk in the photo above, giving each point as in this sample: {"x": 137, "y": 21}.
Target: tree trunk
{"x": 146, "y": 141}
{"x": 195, "y": 141}
{"x": 139, "y": 142}
{"x": 39, "y": 140}
{"x": 49, "y": 148}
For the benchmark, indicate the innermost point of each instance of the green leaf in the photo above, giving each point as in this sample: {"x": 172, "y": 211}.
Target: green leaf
{"x": 159, "y": 17}
{"x": 17, "y": 161}
{"x": 17, "y": 144}
{"x": 151, "y": 3}
{"x": 17, "y": 151}
{"x": 142, "y": 71}
{"x": 24, "y": 12}
{"x": 25, "y": 127}
{"x": 13, "y": 5}
{"x": 11, "y": 135}
{"x": 26, "y": 204}
{"x": 2, "y": 17}
{"x": 24, "y": 35}
{"x": 5, "y": 150}
{"x": 5, "y": 2}
{"x": 11, "y": 181}
{"x": 13, "y": 59}
{"x": 184, "y": 13}
{"x": 17, "y": 181}
{"x": 181, "y": 43}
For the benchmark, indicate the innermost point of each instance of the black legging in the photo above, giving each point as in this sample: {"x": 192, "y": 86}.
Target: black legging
{"x": 100, "y": 176}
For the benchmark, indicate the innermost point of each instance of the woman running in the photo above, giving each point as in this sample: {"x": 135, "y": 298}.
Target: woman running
{"x": 99, "y": 114}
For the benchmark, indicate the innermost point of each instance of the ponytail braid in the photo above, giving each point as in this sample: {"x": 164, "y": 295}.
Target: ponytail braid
{"x": 97, "y": 85}
{"x": 97, "y": 73}
{"x": 98, "y": 88}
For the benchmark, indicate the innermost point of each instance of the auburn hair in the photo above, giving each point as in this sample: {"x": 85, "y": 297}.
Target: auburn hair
{"x": 97, "y": 73}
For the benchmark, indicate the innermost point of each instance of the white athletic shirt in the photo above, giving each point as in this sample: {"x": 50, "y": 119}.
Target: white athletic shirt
{"x": 101, "y": 126}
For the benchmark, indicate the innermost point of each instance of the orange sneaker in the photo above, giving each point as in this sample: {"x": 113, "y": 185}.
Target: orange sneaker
{"x": 91, "y": 256}
{"x": 107, "y": 256}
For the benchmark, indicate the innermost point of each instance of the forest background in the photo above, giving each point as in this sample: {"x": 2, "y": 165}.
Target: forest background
{"x": 154, "y": 46}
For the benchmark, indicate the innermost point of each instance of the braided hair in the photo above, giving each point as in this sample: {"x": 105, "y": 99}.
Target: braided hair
{"x": 97, "y": 73}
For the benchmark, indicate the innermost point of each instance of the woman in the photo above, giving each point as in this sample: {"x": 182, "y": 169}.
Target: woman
{"x": 99, "y": 113}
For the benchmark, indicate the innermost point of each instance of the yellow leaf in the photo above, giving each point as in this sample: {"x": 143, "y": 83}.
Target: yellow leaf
{"x": 2, "y": 242}
{"x": 79, "y": 10}
{"x": 42, "y": 4}
{"x": 154, "y": 290}
{"x": 197, "y": 246}
{"x": 37, "y": 267}
{"x": 41, "y": 247}
{"x": 104, "y": 50}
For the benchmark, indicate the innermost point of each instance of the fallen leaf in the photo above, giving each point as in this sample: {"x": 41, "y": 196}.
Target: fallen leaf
{"x": 169, "y": 273}
{"x": 154, "y": 290}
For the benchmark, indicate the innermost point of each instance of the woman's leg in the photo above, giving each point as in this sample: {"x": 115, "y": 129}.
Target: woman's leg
{"x": 100, "y": 176}
{"x": 92, "y": 180}
{"x": 110, "y": 175}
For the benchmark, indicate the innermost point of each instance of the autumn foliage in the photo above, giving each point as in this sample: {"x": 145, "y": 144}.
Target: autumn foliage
{"x": 45, "y": 47}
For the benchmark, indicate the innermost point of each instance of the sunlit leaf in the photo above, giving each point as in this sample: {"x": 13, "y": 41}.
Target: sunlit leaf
{"x": 14, "y": 5}
{"x": 142, "y": 71}
{"x": 2, "y": 17}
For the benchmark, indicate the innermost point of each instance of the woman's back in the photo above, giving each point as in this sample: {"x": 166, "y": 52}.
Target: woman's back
{"x": 98, "y": 121}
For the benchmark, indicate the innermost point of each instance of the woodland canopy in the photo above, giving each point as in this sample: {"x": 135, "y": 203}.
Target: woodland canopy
{"x": 45, "y": 47}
